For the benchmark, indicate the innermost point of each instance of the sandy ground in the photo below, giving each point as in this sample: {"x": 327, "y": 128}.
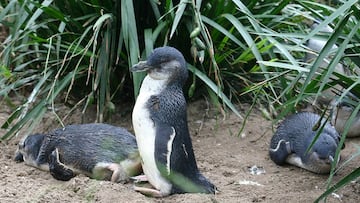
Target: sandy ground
{"x": 222, "y": 157}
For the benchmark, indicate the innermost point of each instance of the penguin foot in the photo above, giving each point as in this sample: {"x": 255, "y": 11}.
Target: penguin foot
{"x": 132, "y": 165}
{"x": 119, "y": 174}
{"x": 139, "y": 179}
{"x": 112, "y": 171}
{"x": 148, "y": 191}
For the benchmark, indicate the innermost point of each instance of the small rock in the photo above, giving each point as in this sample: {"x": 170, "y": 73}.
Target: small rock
{"x": 255, "y": 170}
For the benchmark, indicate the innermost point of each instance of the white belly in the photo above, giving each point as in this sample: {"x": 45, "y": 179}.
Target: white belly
{"x": 145, "y": 134}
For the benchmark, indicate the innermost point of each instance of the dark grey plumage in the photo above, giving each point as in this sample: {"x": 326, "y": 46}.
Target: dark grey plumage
{"x": 295, "y": 134}
{"x": 160, "y": 124}
{"x": 97, "y": 150}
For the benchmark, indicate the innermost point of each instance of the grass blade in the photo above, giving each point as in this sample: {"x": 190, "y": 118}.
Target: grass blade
{"x": 214, "y": 88}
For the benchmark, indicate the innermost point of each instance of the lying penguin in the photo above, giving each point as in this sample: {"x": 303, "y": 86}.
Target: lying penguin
{"x": 341, "y": 114}
{"x": 161, "y": 129}
{"x": 293, "y": 137}
{"x": 100, "y": 151}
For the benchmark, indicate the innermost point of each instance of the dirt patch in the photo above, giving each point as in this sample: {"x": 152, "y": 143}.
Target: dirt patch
{"x": 221, "y": 155}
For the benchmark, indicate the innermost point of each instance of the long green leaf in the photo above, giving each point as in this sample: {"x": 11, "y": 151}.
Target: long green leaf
{"x": 344, "y": 181}
{"x": 339, "y": 12}
{"x": 214, "y": 88}
{"x": 129, "y": 31}
{"x": 178, "y": 15}
{"x": 284, "y": 65}
{"x": 323, "y": 54}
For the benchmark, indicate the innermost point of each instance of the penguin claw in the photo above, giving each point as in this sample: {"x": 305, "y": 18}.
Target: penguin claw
{"x": 139, "y": 179}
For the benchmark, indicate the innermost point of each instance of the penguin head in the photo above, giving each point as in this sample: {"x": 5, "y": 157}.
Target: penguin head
{"x": 164, "y": 63}
{"x": 28, "y": 149}
{"x": 322, "y": 154}
{"x": 325, "y": 147}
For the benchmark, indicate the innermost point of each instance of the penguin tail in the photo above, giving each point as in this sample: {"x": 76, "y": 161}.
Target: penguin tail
{"x": 194, "y": 184}
{"x": 205, "y": 185}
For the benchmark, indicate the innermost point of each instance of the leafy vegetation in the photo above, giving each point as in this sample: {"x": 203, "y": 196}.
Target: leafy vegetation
{"x": 240, "y": 51}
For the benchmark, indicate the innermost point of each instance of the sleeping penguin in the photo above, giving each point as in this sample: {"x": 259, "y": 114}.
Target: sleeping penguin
{"x": 161, "y": 130}
{"x": 99, "y": 151}
{"x": 295, "y": 134}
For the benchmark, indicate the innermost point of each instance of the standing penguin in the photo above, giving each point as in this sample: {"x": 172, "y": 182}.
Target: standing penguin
{"x": 97, "y": 150}
{"x": 295, "y": 134}
{"x": 161, "y": 130}
{"x": 316, "y": 46}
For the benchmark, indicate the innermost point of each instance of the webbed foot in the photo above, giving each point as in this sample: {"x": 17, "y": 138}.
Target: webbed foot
{"x": 139, "y": 179}
{"x": 148, "y": 191}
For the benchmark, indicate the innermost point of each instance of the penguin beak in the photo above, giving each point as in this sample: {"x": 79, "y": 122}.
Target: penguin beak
{"x": 140, "y": 67}
{"x": 18, "y": 157}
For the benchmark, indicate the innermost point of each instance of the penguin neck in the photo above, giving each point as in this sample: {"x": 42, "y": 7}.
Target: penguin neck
{"x": 153, "y": 86}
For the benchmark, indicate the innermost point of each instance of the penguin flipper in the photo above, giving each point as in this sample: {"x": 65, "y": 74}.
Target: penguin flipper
{"x": 164, "y": 148}
{"x": 174, "y": 162}
{"x": 57, "y": 169}
{"x": 281, "y": 152}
